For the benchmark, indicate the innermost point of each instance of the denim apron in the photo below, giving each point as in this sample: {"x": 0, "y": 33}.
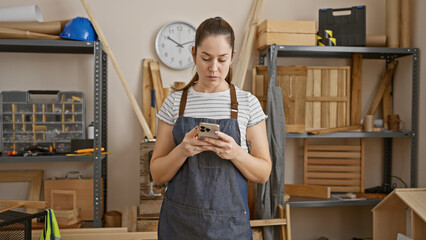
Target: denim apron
{"x": 207, "y": 198}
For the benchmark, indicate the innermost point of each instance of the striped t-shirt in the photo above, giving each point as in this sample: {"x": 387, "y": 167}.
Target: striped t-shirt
{"x": 214, "y": 106}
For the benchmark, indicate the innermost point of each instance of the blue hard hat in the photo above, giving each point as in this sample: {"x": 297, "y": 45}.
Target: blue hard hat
{"x": 79, "y": 28}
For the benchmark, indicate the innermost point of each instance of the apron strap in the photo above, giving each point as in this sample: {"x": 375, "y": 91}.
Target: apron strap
{"x": 183, "y": 102}
{"x": 234, "y": 102}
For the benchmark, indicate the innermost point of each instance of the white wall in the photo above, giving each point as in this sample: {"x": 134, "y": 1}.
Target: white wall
{"x": 131, "y": 26}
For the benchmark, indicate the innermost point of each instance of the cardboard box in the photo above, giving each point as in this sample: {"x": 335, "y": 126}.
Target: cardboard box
{"x": 84, "y": 192}
{"x": 284, "y": 32}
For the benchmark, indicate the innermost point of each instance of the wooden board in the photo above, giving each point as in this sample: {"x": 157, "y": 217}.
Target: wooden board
{"x": 150, "y": 207}
{"x": 106, "y": 236}
{"x": 340, "y": 167}
{"x": 299, "y": 190}
{"x": 129, "y": 218}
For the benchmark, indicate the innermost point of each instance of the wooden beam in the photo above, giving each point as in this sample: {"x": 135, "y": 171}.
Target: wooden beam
{"x": 386, "y": 79}
{"x": 268, "y": 222}
{"x": 300, "y": 190}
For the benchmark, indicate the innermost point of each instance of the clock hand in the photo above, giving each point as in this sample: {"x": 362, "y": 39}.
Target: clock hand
{"x": 171, "y": 39}
{"x": 187, "y": 42}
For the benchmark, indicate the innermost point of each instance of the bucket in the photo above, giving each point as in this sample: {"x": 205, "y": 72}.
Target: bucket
{"x": 27, "y": 13}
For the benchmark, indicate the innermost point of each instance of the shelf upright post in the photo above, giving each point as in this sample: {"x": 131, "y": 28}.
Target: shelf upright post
{"x": 97, "y": 138}
{"x": 387, "y": 147}
{"x": 104, "y": 125}
{"x": 414, "y": 118}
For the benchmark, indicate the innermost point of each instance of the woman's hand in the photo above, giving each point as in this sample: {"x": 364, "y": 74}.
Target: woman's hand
{"x": 191, "y": 145}
{"x": 225, "y": 147}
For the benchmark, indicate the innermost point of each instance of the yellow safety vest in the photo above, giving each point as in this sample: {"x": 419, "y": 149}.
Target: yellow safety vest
{"x": 51, "y": 228}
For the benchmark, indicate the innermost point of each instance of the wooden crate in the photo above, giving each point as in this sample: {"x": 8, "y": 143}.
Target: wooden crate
{"x": 341, "y": 167}
{"x": 84, "y": 192}
{"x": 314, "y": 97}
{"x": 286, "y": 32}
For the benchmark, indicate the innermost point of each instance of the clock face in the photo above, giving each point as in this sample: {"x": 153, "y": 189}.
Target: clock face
{"x": 173, "y": 45}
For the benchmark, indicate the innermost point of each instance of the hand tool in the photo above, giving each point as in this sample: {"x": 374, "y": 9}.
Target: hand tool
{"x": 87, "y": 150}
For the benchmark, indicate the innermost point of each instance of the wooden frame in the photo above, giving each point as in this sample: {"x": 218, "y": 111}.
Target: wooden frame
{"x": 34, "y": 177}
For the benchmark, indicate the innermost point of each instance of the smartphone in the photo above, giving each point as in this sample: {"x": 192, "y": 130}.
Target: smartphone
{"x": 208, "y": 129}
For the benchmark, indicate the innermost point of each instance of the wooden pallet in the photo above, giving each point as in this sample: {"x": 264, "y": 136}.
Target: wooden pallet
{"x": 340, "y": 167}
{"x": 314, "y": 97}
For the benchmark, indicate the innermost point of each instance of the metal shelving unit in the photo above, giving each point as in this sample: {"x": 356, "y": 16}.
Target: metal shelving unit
{"x": 99, "y": 112}
{"x": 269, "y": 57}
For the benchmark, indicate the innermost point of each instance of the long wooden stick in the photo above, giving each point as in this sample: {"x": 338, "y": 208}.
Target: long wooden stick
{"x": 334, "y": 130}
{"x": 10, "y": 208}
{"x": 246, "y": 49}
{"x": 386, "y": 79}
{"x": 117, "y": 68}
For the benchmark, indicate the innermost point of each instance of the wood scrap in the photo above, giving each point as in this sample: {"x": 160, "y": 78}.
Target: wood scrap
{"x": 129, "y": 218}
{"x": 117, "y": 68}
{"x": 386, "y": 79}
{"x": 247, "y": 47}
{"x": 387, "y": 104}
{"x": 334, "y": 130}
{"x": 301, "y": 190}
{"x": 356, "y": 88}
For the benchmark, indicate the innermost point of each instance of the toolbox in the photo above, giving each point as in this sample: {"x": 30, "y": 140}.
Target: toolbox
{"x": 42, "y": 118}
{"x": 347, "y": 29}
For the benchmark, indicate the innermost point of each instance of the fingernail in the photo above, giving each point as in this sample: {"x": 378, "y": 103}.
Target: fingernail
{"x": 216, "y": 132}
{"x": 196, "y": 127}
{"x": 201, "y": 138}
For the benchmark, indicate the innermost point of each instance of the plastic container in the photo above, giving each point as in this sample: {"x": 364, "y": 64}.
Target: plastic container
{"x": 348, "y": 29}
{"x": 41, "y": 118}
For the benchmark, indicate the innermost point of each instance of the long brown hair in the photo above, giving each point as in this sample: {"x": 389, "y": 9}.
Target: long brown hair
{"x": 212, "y": 26}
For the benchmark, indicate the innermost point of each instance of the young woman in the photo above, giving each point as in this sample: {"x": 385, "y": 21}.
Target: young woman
{"x": 207, "y": 189}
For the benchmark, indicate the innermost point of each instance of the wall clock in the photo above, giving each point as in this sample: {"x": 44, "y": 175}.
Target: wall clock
{"x": 173, "y": 45}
